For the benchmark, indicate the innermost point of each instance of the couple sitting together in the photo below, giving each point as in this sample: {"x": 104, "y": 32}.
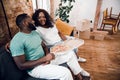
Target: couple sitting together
{"x": 30, "y": 49}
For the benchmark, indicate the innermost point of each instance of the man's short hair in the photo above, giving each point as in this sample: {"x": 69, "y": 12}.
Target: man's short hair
{"x": 20, "y": 18}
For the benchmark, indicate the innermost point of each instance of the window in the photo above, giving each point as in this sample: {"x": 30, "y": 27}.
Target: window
{"x": 43, "y": 4}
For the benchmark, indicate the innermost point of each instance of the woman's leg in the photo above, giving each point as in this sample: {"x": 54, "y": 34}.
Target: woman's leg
{"x": 80, "y": 59}
{"x": 51, "y": 72}
{"x": 74, "y": 65}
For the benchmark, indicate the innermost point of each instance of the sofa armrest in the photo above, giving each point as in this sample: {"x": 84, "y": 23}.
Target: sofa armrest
{"x": 64, "y": 27}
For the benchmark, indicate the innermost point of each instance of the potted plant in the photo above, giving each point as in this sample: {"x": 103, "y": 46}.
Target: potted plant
{"x": 65, "y": 6}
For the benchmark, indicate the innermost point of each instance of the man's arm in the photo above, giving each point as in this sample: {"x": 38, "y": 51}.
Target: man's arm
{"x": 46, "y": 51}
{"x": 45, "y": 48}
{"x": 23, "y": 64}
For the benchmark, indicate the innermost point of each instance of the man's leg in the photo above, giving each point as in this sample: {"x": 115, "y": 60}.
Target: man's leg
{"x": 51, "y": 72}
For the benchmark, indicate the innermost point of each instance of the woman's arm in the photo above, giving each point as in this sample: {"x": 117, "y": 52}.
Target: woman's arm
{"x": 62, "y": 36}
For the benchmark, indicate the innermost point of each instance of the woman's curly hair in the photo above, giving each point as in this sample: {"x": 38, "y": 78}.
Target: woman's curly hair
{"x": 49, "y": 20}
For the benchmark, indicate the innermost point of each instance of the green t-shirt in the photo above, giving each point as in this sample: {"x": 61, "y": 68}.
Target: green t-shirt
{"x": 27, "y": 44}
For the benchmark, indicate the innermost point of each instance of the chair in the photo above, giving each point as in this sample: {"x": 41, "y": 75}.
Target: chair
{"x": 108, "y": 20}
{"x": 113, "y": 16}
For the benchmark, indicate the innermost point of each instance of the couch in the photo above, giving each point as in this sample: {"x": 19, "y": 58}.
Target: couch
{"x": 9, "y": 71}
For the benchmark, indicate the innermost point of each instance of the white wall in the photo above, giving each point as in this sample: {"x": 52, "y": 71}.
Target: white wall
{"x": 86, "y": 9}
{"x": 83, "y": 9}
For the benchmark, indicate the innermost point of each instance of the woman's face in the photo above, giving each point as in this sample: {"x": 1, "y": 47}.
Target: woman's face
{"x": 41, "y": 18}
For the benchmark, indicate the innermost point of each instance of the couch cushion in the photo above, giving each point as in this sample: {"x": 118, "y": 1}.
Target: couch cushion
{"x": 8, "y": 70}
{"x": 63, "y": 27}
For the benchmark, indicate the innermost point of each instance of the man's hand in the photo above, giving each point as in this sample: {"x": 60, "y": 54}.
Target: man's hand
{"x": 50, "y": 57}
{"x": 48, "y": 62}
{"x": 7, "y": 46}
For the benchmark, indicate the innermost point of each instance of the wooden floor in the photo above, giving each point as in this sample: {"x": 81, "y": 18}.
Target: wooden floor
{"x": 103, "y": 57}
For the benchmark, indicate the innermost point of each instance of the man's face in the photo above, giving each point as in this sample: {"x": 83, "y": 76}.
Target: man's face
{"x": 30, "y": 24}
{"x": 41, "y": 18}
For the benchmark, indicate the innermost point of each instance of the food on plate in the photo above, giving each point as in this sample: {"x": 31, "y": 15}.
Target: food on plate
{"x": 66, "y": 45}
{"x": 59, "y": 48}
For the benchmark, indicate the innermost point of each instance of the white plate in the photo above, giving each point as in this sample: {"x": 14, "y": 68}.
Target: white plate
{"x": 71, "y": 44}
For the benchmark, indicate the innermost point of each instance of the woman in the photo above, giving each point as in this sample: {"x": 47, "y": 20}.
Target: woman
{"x": 49, "y": 33}
{"x": 47, "y": 29}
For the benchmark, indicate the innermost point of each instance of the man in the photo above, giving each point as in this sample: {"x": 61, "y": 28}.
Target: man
{"x": 30, "y": 53}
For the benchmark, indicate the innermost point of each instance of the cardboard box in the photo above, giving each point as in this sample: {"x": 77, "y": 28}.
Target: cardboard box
{"x": 83, "y": 29}
{"x": 83, "y": 25}
{"x": 99, "y": 35}
{"x": 100, "y": 32}
{"x": 84, "y": 34}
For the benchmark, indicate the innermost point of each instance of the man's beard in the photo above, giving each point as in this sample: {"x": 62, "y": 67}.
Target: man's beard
{"x": 31, "y": 26}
